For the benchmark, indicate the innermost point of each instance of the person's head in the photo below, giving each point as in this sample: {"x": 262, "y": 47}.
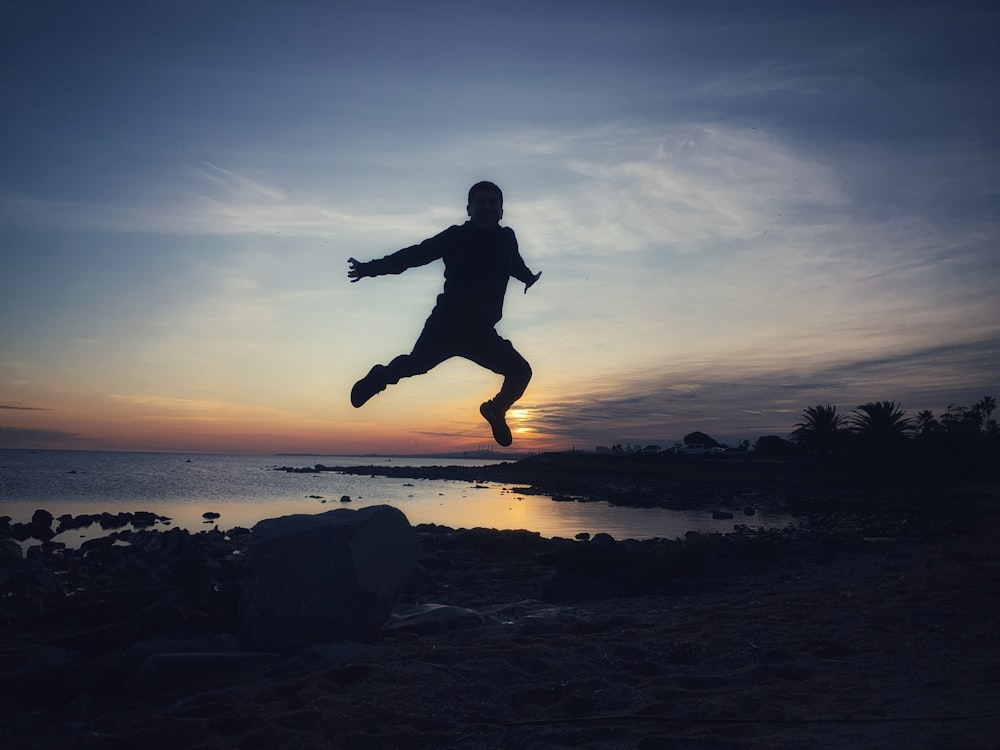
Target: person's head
{"x": 485, "y": 207}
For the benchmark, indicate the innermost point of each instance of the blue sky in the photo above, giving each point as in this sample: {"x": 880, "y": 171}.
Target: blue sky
{"x": 740, "y": 210}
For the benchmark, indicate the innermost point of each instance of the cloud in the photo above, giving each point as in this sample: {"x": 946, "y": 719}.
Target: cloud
{"x": 214, "y": 201}
{"x": 240, "y": 186}
{"x": 659, "y": 404}
{"x": 160, "y": 408}
{"x": 18, "y": 406}
{"x": 168, "y": 403}
{"x": 20, "y": 437}
{"x": 634, "y": 188}
{"x": 627, "y": 186}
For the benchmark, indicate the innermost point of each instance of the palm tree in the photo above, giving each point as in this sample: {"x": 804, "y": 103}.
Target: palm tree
{"x": 988, "y": 405}
{"x": 963, "y": 422}
{"x": 820, "y": 429}
{"x": 926, "y": 423}
{"x": 883, "y": 424}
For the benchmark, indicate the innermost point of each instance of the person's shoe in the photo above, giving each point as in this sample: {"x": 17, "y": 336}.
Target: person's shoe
{"x": 501, "y": 432}
{"x": 368, "y": 386}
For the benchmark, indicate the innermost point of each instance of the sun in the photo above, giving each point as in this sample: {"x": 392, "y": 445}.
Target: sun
{"x": 519, "y": 419}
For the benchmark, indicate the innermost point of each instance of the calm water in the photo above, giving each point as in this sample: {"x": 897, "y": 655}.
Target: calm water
{"x": 247, "y": 489}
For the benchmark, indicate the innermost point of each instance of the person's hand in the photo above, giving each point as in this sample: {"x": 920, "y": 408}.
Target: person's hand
{"x": 356, "y": 270}
{"x": 529, "y": 284}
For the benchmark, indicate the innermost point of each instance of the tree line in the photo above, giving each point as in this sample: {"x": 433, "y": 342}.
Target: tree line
{"x": 883, "y": 429}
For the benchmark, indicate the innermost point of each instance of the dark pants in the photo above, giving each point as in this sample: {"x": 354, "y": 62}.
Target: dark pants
{"x": 480, "y": 344}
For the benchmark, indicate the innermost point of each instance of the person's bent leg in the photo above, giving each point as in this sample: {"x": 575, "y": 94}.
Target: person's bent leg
{"x": 517, "y": 375}
{"x": 372, "y": 383}
{"x": 500, "y": 356}
{"x": 427, "y": 353}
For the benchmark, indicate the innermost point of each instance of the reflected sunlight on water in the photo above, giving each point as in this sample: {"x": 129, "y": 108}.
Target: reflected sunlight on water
{"x": 245, "y": 490}
{"x": 468, "y": 506}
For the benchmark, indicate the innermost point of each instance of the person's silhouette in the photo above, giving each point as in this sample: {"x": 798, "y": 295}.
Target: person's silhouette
{"x": 479, "y": 258}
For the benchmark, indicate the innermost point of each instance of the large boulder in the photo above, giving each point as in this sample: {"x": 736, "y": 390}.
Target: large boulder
{"x": 323, "y": 577}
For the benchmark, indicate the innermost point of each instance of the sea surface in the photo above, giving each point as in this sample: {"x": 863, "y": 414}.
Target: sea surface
{"x": 247, "y": 489}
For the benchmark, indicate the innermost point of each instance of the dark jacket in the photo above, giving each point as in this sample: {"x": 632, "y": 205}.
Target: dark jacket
{"x": 477, "y": 265}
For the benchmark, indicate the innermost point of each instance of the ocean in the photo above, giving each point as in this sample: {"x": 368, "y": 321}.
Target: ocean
{"x": 246, "y": 489}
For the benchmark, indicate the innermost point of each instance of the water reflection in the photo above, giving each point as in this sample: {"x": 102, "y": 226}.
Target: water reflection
{"x": 454, "y": 504}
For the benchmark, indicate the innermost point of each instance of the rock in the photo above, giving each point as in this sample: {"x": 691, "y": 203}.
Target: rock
{"x": 721, "y": 515}
{"x": 143, "y": 519}
{"x": 533, "y": 616}
{"x": 98, "y": 544}
{"x": 68, "y": 522}
{"x": 345, "y": 498}
{"x": 594, "y": 558}
{"x": 20, "y": 531}
{"x": 587, "y": 569}
{"x": 334, "y": 575}
{"x": 10, "y": 550}
{"x": 210, "y": 515}
{"x": 165, "y": 543}
{"x": 208, "y": 643}
{"x": 429, "y": 618}
{"x": 40, "y": 531}
{"x": 41, "y": 518}
{"x": 115, "y": 520}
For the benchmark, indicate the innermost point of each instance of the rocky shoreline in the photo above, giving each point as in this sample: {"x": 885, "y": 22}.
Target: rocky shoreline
{"x": 873, "y": 500}
{"x": 506, "y": 639}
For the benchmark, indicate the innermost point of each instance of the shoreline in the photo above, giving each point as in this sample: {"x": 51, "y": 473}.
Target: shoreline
{"x": 722, "y": 643}
{"x": 868, "y": 629}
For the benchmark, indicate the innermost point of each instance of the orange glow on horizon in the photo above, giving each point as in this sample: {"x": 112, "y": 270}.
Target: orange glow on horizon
{"x": 423, "y": 416}
{"x": 407, "y": 433}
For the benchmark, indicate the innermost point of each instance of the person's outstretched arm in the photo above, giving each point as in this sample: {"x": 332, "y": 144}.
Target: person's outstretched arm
{"x": 357, "y": 270}
{"x": 520, "y": 271}
{"x": 409, "y": 257}
{"x": 530, "y": 282}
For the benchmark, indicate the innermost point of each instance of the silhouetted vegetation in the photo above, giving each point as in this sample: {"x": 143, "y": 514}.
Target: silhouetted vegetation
{"x": 881, "y": 425}
{"x": 878, "y": 437}
{"x": 701, "y": 438}
{"x": 964, "y": 440}
{"x": 772, "y": 446}
{"x": 821, "y": 430}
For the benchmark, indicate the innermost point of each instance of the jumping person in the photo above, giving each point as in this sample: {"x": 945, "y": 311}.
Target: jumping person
{"x": 479, "y": 258}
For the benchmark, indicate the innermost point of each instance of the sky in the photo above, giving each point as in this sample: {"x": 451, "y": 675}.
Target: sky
{"x": 740, "y": 210}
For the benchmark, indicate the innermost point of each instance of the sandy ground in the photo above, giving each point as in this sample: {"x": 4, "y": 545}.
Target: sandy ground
{"x": 878, "y": 644}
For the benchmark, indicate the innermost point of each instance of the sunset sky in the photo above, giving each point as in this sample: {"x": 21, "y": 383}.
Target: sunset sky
{"x": 740, "y": 210}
